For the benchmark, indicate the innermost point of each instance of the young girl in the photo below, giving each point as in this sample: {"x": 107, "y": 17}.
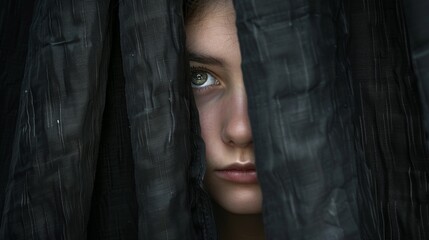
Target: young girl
{"x": 220, "y": 96}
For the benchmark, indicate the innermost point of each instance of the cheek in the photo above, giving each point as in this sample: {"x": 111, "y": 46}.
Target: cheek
{"x": 212, "y": 114}
{"x": 210, "y": 121}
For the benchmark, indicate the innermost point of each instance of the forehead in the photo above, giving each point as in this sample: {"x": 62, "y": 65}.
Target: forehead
{"x": 213, "y": 32}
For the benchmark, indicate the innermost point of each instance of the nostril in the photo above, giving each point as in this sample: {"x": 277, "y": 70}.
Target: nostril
{"x": 238, "y": 133}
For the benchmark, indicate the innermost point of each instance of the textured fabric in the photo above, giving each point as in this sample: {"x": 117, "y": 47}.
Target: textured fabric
{"x": 393, "y": 174}
{"x": 157, "y": 95}
{"x": 48, "y": 195}
{"x": 114, "y": 205}
{"x": 301, "y": 110}
{"x": 51, "y": 185}
{"x": 15, "y": 20}
{"x": 416, "y": 12}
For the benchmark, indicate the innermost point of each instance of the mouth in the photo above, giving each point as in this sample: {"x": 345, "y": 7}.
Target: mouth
{"x": 239, "y": 173}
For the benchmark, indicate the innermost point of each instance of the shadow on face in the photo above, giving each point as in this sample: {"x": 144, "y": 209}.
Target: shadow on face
{"x": 221, "y": 100}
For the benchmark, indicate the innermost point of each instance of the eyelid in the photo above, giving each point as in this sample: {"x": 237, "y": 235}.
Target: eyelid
{"x": 203, "y": 69}
{"x": 207, "y": 71}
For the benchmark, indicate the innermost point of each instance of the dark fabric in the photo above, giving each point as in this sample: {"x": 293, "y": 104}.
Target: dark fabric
{"x": 301, "y": 112}
{"x": 416, "y": 12}
{"x": 15, "y": 20}
{"x": 114, "y": 205}
{"x": 48, "y": 195}
{"x": 60, "y": 120}
{"x": 157, "y": 95}
{"x": 393, "y": 174}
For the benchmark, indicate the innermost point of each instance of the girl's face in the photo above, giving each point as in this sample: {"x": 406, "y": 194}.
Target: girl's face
{"x": 221, "y": 100}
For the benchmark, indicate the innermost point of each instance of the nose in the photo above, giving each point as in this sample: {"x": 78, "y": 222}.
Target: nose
{"x": 236, "y": 130}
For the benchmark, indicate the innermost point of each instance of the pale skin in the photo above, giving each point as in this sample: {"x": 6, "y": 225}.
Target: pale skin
{"x": 221, "y": 100}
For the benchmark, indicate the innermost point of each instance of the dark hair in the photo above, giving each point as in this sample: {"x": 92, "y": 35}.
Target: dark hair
{"x": 191, "y": 7}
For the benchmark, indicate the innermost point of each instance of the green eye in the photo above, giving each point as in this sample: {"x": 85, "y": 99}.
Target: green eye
{"x": 199, "y": 78}
{"x": 202, "y": 79}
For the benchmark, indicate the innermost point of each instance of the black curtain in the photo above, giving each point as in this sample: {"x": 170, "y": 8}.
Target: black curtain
{"x": 15, "y": 20}
{"x": 301, "y": 110}
{"x": 393, "y": 184}
{"x": 82, "y": 168}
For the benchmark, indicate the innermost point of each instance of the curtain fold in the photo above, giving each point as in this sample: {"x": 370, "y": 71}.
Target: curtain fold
{"x": 301, "y": 110}
{"x": 157, "y": 95}
{"x": 418, "y": 36}
{"x": 15, "y": 20}
{"x": 48, "y": 195}
{"x": 393, "y": 174}
{"x": 114, "y": 204}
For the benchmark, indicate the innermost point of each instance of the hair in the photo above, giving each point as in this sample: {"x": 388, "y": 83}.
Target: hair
{"x": 191, "y": 8}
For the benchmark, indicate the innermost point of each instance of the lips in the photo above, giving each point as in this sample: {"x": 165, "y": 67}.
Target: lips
{"x": 239, "y": 173}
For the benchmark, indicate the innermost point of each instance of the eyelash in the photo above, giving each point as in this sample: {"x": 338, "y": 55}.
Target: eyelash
{"x": 204, "y": 69}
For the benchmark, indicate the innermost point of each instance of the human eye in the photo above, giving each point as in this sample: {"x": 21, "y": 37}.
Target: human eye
{"x": 201, "y": 78}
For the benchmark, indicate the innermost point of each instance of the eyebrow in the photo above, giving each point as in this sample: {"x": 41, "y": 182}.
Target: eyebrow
{"x": 204, "y": 59}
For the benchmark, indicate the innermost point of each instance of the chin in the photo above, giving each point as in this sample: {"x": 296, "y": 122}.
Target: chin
{"x": 242, "y": 209}
{"x": 238, "y": 198}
